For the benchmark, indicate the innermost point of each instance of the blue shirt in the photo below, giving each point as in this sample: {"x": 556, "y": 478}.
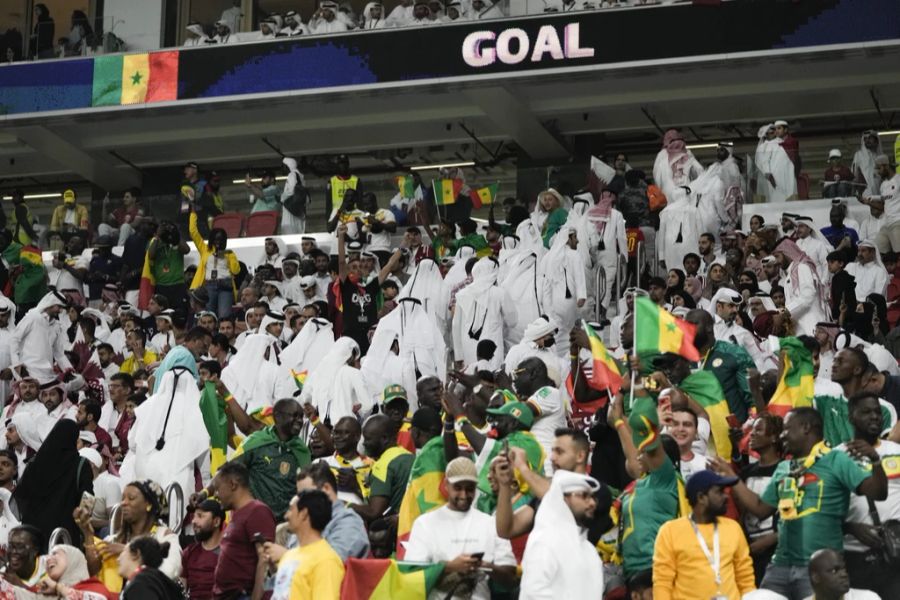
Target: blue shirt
{"x": 345, "y": 533}
{"x": 834, "y": 235}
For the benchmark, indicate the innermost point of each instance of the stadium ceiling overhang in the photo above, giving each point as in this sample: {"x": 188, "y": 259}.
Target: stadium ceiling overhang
{"x": 534, "y": 81}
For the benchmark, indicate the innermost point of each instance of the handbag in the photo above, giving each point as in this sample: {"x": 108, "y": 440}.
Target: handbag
{"x": 889, "y": 532}
{"x": 297, "y": 202}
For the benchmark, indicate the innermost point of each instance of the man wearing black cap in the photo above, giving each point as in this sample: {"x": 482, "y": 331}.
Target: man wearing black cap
{"x": 267, "y": 195}
{"x": 704, "y": 554}
{"x": 200, "y": 558}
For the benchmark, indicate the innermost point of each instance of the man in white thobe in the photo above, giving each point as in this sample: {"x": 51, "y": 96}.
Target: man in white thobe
{"x": 232, "y": 16}
{"x": 813, "y": 245}
{"x": 868, "y": 270}
{"x": 679, "y": 229}
{"x": 7, "y": 327}
{"x": 804, "y": 294}
{"x": 482, "y": 311}
{"x": 40, "y": 341}
{"x": 564, "y": 285}
{"x": 724, "y": 306}
{"x": 559, "y": 561}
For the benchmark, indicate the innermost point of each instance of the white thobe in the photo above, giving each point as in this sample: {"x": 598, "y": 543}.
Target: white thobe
{"x": 680, "y": 218}
{"x": 818, "y": 251}
{"x": 871, "y": 278}
{"x": 804, "y": 304}
{"x": 487, "y": 314}
{"x": 37, "y": 342}
{"x": 563, "y": 288}
{"x": 739, "y": 336}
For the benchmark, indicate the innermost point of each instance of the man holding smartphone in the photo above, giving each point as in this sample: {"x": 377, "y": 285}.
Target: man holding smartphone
{"x": 465, "y": 540}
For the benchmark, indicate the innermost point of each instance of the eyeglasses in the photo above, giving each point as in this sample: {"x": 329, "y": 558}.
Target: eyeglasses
{"x": 584, "y": 494}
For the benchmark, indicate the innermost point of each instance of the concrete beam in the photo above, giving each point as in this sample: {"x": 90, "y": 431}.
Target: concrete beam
{"x": 68, "y": 155}
{"x": 515, "y": 119}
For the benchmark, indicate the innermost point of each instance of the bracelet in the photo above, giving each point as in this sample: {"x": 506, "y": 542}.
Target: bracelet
{"x": 314, "y": 421}
{"x": 618, "y": 423}
{"x": 229, "y": 398}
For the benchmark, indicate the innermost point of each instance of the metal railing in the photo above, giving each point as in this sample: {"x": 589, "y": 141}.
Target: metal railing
{"x": 178, "y": 507}
{"x": 60, "y": 535}
{"x": 114, "y": 518}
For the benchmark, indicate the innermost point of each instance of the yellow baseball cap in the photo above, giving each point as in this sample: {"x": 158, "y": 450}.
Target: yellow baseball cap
{"x": 69, "y": 196}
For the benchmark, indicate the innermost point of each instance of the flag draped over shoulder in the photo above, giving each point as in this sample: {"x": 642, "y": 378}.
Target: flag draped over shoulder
{"x": 605, "y": 373}
{"x": 706, "y": 391}
{"x": 657, "y": 330}
{"x": 148, "y": 283}
{"x": 534, "y": 454}
{"x": 797, "y": 386}
{"x": 426, "y": 490}
{"x": 484, "y": 195}
{"x": 212, "y": 407}
{"x": 388, "y": 579}
{"x": 446, "y": 191}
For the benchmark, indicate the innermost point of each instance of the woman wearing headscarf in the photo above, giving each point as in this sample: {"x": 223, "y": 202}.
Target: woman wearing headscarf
{"x": 675, "y": 165}
{"x": 674, "y": 283}
{"x": 482, "y": 311}
{"x": 67, "y": 577}
{"x": 564, "y": 287}
{"x": 336, "y": 387}
{"x": 142, "y": 508}
{"x": 142, "y": 565}
{"x": 52, "y": 485}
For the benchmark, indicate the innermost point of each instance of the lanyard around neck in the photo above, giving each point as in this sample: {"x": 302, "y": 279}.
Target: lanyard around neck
{"x": 714, "y": 558}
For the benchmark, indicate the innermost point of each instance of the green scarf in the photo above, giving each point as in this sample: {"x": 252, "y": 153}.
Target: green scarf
{"x": 212, "y": 406}
{"x": 487, "y": 500}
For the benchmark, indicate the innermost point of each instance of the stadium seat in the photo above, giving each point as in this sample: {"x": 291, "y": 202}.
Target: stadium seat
{"x": 230, "y": 222}
{"x": 261, "y": 224}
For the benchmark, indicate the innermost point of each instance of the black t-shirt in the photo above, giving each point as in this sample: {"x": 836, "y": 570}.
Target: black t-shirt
{"x": 360, "y": 307}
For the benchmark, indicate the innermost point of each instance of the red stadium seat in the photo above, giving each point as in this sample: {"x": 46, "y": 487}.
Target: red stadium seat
{"x": 230, "y": 222}
{"x": 262, "y": 223}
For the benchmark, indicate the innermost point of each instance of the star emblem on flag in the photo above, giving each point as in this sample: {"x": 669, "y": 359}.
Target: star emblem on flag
{"x": 671, "y": 327}
{"x": 136, "y": 78}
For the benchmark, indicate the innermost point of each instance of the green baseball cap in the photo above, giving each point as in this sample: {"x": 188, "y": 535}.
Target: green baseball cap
{"x": 644, "y": 423}
{"x": 519, "y": 410}
{"x": 393, "y": 392}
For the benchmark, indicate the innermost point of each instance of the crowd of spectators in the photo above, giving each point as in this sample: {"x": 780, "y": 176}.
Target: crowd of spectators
{"x": 450, "y": 399}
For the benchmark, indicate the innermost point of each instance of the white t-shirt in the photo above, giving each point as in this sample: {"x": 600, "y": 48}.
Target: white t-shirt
{"x": 858, "y": 512}
{"x": 65, "y": 280}
{"x": 381, "y": 241}
{"x": 689, "y": 467}
{"x": 444, "y": 534}
{"x": 552, "y": 417}
{"x": 108, "y": 491}
{"x": 855, "y": 595}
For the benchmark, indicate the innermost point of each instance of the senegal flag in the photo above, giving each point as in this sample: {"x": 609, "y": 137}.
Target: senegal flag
{"x": 446, "y": 191}
{"x": 212, "y": 407}
{"x": 796, "y": 387}
{"x": 299, "y": 378}
{"x": 706, "y": 391}
{"x": 135, "y": 78}
{"x": 485, "y": 195}
{"x": 407, "y": 186}
{"x": 31, "y": 275}
{"x": 388, "y": 579}
{"x": 656, "y": 330}
{"x": 535, "y": 455}
{"x": 426, "y": 490}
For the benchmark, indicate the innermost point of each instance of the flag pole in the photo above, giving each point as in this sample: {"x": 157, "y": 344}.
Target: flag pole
{"x": 633, "y": 350}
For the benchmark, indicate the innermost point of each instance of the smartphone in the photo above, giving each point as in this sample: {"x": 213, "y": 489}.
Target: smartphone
{"x": 504, "y": 448}
{"x": 87, "y": 502}
{"x": 477, "y": 555}
{"x": 733, "y": 421}
{"x": 259, "y": 538}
